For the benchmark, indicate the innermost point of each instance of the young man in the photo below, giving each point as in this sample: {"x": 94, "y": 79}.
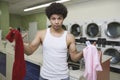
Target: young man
{"x": 56, "y": 43}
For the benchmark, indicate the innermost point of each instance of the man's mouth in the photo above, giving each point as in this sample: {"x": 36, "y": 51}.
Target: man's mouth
{"x": 56, "y": 26}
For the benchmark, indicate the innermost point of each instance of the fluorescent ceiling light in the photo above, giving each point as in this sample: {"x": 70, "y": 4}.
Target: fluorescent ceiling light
{"x": 44, "y": 5}
{"x": 61, "y": 1}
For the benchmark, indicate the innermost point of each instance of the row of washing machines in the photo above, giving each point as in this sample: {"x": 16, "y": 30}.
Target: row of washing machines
{"x": 106, "y": 34}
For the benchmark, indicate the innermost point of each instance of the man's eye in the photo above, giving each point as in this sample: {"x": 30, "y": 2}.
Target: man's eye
{"x": 59, "y": 18}
{"x": 53, "y": 18}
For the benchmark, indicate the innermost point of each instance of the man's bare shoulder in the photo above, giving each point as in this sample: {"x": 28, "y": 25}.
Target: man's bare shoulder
{"x": 41, "y": 33}
{"x": 70, "y": 36}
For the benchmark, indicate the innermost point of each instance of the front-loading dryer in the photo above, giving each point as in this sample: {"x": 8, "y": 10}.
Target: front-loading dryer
{"x": 111, "y": 30}
{"x": 113, "y": 51}
{"x": 76, "y": 30}
{"x": 92, "y": 30}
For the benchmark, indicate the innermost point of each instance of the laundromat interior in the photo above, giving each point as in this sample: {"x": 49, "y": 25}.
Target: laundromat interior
{"x": 88, "y": 20}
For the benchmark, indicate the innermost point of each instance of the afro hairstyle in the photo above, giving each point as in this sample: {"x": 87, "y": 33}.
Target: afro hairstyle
{"x": 56, "y": 8}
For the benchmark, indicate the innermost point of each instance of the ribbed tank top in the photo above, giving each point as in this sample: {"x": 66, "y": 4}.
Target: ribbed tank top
{"x": 54, "y": 57}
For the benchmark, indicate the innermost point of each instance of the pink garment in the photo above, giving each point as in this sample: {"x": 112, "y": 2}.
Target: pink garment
{"x": 92, "y": 62}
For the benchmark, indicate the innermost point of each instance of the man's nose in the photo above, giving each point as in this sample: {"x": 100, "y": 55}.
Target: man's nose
{"x": 56, "y": 21}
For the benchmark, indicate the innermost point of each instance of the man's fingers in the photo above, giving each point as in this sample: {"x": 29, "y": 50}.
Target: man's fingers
{"x": 94, "y": 43}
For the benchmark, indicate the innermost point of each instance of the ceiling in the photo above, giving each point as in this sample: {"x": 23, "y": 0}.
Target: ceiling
{"x": 17, "y": 6}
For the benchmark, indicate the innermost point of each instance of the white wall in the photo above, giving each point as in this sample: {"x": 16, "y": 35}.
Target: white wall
{"x": 93, "y": 10}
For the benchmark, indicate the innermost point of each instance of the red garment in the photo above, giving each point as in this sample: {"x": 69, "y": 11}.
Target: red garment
{"x": 19, "y": 66}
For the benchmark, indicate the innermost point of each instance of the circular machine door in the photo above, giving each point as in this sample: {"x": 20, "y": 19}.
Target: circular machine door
{"x": 76, "y": 30}
{"x": 113, "y": 30}
{"x": 115, "y": 55}
{"x": 92, "y": 30}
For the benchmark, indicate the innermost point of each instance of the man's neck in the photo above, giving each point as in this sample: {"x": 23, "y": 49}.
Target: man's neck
{"x": 57, "y": 32}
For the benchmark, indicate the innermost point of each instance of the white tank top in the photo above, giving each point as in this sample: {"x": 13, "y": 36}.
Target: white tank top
{"x": 55, "y": 65}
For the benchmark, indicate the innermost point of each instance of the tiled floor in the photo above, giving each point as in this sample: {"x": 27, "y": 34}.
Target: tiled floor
{"x": 114, "y": 76}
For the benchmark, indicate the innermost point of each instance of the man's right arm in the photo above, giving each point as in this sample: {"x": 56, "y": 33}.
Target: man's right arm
{"x": 30, "y": 48}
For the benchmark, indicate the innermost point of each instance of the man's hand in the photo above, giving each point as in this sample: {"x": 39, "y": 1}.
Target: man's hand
{"x": 94, "y": 43}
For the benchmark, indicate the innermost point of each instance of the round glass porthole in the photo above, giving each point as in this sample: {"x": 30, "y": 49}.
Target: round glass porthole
{"x": 113, "y": 30}
{"x": 115, "y": 55}
{"x": 92, "y": 30}
{"x": 76, "y": 30}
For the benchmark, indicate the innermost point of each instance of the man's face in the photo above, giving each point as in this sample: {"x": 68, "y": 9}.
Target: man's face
{"x": 56, "y": 21}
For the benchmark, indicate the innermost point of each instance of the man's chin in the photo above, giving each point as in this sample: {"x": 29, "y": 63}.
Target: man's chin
{"x": 56, "y": 28}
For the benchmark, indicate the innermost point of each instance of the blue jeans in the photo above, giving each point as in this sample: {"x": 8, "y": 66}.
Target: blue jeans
{"x": 40, "y": 78}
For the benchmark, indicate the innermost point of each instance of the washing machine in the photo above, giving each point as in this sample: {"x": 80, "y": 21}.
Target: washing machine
{"x": 113, "y": 51}
{"x": 76, "y": 30}
{"x": 92, "y": 30}
{"x": 111, "y": 30}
